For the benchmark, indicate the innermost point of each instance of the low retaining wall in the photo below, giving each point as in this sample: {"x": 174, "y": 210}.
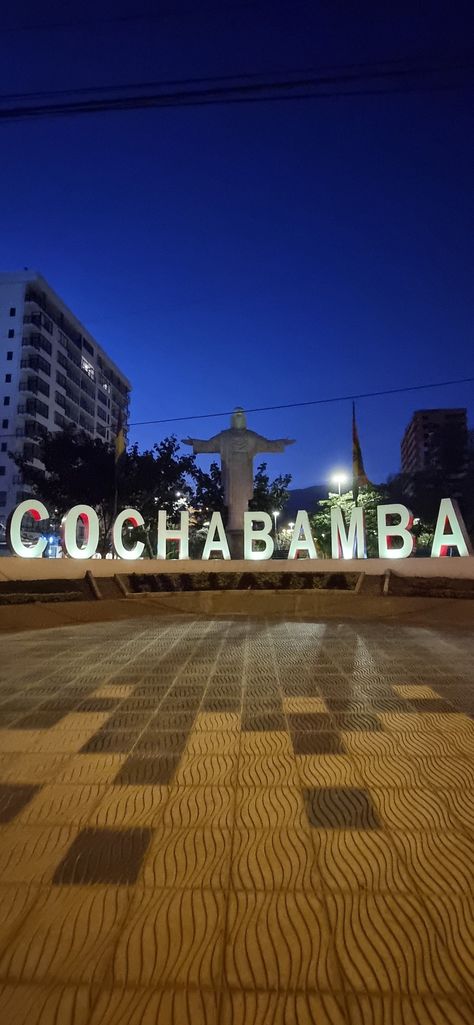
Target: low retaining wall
{"x": 74, "y": 569}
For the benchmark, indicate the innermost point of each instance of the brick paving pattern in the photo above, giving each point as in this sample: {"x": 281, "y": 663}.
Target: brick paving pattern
{"x": 237, "y": 823}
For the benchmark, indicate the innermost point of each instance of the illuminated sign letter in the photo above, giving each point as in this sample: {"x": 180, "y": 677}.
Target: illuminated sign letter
{"x": 449, "y": 516}
{"x": 401, "y": 529}
{"x": 90, "y": 520}
{"x": 215, "y": 543}
{"x": 39, "y": 512}
{"x": 251, "y": 535}
{"x": 180, "y": 534}
{"x": 302, "y": 538}
{"x": 136, "y": 520}
{"x": 350, "y": 543}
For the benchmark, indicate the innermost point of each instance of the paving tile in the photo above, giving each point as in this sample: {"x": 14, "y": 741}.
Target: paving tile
{"x": 17, "y": 740}
{"x": 368, "y": 1009}
{"x": 321, "y": 742}
{"x": 45, "y": 1005}
{"x": 207, "y": 770}
{"x": 453, "y": 919}
{"x": 16, "y": 902}
{"x": 13, "y": 798}
{"x": 438, "y": 862}
{"x": 69, "y": 934}
{"x": 153, "y": 1006}
{"x": 360, "y": 859}
{"x": 217, "y": 721}
{"x": 327, "y": 770}
{"x": 123, "y": 806}
{"x": 172, "y": 937}
{"x": 277, "y": 859}
{"x": 386, "y": 944}
{"x": 340, "y": 808}
{"x": 244, "y": 1007}
{"x": 270, "y": 808}
{"x": 154, "y": 742}
{"x": 109, "y": 856}
{"x": 414, "y": 690}
{"x": 278, "y": 941}
{"x": 89, "y": 768}
{"x": 112, "y": 742}
{"x": 313, "y": 722}
{"x": 412, "y": 810}
{"x": 278, "y": 770}
{"x": 188, "y": 858}
{"x": 30, "y": 854}
{"x": 39, "y": 720}
{"x": 159, "y": 770}
{"x": 200, "y": 807}
{"x": 58, "y": 804}
{"x": 207, "y": 743}
{"x": 262, "y": 743}
{"x": 113, "y": 690}
{"x": 302, "y": 705}
{"x": 273, "y": 721}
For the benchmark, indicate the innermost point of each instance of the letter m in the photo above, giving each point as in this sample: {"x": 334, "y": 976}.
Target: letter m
{"x": 348, "y": 543}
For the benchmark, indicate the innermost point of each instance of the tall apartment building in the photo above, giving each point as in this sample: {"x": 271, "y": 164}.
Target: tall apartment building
{"x": 52, "y": 374}
{"x": 435, "y": 439}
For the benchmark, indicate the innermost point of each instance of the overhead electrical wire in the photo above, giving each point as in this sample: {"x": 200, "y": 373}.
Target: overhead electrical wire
{"x": 349, "y": 80}
{"x": 311, "y": 402}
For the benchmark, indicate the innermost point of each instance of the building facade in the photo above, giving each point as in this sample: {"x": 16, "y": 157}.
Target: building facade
{"x": 435, "y": 439}
{"x": 53, "y": 374}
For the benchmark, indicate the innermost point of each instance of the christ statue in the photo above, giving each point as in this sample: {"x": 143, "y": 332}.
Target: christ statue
{"x": 237, "y": 447}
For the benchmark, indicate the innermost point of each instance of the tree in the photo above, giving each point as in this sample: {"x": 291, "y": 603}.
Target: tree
{"x": 81, "y": 469}
{"x": 77, "y": 469}
{"x": 269, "y": 496}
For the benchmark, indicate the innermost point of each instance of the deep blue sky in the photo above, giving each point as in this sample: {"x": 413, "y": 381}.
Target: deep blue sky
{"x": 250, "y": 255}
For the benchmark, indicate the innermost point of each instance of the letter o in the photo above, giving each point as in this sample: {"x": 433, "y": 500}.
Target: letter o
{"x": 90, "y": 520}
{"x": 38, "y": 511}
{"x": 136, "y": 519}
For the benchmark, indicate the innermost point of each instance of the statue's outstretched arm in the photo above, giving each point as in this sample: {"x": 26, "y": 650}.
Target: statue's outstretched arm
{"x": 200, "y": 445}
{"x": 266, "y": 445}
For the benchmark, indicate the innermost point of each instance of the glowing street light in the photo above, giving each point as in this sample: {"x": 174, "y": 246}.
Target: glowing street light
{"x": 275, "y": 515}
{"x": 339, "y": 478}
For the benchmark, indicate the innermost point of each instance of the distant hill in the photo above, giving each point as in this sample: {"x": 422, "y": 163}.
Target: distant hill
{"x": 303, "y": 498}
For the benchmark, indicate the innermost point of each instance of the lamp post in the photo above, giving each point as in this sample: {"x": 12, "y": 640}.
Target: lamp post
{"x": 275, "y": 515}
{"x": 338, "y": 479}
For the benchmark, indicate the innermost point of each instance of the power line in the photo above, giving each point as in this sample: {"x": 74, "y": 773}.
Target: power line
{"x": 311, "y": 402}
{"x": 346, "y": 82}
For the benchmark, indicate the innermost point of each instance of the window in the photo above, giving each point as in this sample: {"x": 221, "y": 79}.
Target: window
{"x": 2, "y": 471}
{"x": 87, "y": 346}
{"x": 3, "y": 446}
{"x": 87, "y": 367}
{"x": 3, "y": 499}
{"x": 8, "y": 378}
{"x": 6, "y": 401}
{"x": 12, "y": 311}
{"x": 11, "y": 332}
{"x": 5, "y": 425}
{"x": 9, "y": 355}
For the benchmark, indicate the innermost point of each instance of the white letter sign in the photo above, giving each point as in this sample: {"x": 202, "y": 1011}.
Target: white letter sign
{"x": 401, "y": 529}
{"x": 449, "y": 516}
{"x": 350, "y": 543}
{"x": 136, "y": 520}
{"x": 89, "y": 518}
{"x": 38, "y": 511}
{"x": 180, "y": 534}
{"x": 213, "y": 543}
{"x": 264, "y": 534}
{"x": 304, "y": 543}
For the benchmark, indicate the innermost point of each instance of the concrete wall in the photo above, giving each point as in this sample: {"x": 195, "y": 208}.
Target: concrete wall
{"x": 72, "y": 569}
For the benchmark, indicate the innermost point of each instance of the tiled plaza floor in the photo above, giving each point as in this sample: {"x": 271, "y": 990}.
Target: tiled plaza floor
{"x": 236, "y": 823}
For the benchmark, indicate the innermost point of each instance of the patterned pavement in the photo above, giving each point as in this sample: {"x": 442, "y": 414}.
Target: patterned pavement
{"x": 236, "y": 823}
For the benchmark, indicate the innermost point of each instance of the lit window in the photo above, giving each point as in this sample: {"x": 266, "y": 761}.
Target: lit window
{"x": 87, "y": 367}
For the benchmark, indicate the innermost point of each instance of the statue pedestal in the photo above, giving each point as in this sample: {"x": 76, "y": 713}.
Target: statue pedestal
{"x": 236, "y": 543}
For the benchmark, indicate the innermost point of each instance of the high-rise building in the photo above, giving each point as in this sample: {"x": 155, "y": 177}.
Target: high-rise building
{"x": 435, "y": 439}
{"x": 52, "y": 374}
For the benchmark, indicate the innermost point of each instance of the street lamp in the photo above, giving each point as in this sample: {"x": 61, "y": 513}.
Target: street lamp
{"x": 275, "y": 515}
{"x": 339, "y": 478}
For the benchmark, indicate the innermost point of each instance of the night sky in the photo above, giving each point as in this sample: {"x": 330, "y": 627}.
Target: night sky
{"x": 260, "y": 254}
